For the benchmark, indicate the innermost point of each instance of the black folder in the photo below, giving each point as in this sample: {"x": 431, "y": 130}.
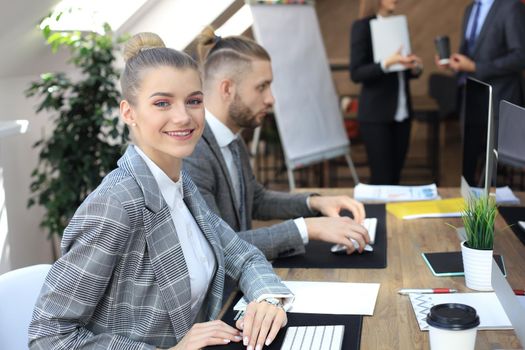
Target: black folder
{"x": 351, "y": 338}
{"x": 319, "y": 256}
{"x": 512, "y": 215}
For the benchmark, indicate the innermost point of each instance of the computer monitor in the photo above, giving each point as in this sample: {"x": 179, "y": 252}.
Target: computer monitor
{"x": 511, "y": 146}
{"x": 478, "y": 139}
{"x": 510, "y": 150}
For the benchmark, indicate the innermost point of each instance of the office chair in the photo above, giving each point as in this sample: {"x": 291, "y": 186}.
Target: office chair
{"x": 19, "y": 290}
{"x": 443, "y": 88}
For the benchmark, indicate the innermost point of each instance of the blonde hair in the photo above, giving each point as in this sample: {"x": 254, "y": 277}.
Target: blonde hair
{"x": 369, "y": 8}
{"x": 232, "y": 54}
{"x": 147, "y": 50}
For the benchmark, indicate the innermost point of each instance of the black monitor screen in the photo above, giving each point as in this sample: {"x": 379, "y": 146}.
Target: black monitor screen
{"x": 477, "y": 114}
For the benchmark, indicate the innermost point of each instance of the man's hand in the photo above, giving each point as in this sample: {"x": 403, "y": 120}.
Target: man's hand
{"x": 332, "y": 205}
{"x": 206, "y": 334}
{"x": 461, "y": 63}
{"x": 338, "y": 230}
{"x": 260, "y": 324}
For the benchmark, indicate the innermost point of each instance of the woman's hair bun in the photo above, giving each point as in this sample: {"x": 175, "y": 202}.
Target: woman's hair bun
{"x": 140, "y": 42}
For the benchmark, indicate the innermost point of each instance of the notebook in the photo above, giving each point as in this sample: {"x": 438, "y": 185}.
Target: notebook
{"x": 388, "y": 36}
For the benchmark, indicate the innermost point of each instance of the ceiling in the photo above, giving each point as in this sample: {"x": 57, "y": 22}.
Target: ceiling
{"x": 23, "y": 47}
{"x": 24, "y": 51}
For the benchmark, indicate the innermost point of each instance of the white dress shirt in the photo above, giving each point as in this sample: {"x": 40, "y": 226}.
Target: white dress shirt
{"x": 402, "y": 108}
{"x": 197, "y": 252}
{"x": 224, "y": 137}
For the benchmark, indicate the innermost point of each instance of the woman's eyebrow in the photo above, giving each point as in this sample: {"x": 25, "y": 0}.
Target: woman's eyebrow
{"x": 163, "y": 94}
{"x": 195, "y": 93}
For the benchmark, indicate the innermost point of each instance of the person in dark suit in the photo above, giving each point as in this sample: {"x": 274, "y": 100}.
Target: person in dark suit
{"x": 492, "y": 48}
{"x": 144, "y": 259}
{"x": 237, "y": 78}
{"x": 385, "y": 109}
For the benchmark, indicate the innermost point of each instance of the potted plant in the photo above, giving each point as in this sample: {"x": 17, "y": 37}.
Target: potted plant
{"x": 479, "y": 217}
{"x": 87, "y": 138}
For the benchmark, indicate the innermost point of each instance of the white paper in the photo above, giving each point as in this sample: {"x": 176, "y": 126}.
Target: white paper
{"x": 388, "y": 36}
{"x": 504, "y": 195}
{"x": 336, "y": 298}
{"x": 390, "y": 193}
{"x": 490, "y": 312}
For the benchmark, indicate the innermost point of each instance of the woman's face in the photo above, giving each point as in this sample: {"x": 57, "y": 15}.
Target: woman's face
{"x": 168, "y": 117}
{"x": 387, "y": 6}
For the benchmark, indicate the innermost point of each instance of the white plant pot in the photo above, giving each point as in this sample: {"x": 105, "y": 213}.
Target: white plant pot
{"x": 477, "y": 264}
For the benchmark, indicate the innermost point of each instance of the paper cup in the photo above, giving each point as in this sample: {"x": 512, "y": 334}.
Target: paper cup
{"x": 443, "y": 49}
{"x": 452, "y": 326}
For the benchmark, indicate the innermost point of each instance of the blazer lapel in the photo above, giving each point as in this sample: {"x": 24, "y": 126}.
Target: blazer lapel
{"x": 167, "y": 258}
{"x": 486, "y": 25}
{"x": 199, "y": 212}
{"x": 463, "y": 41}
{"x": 210, "y": 139}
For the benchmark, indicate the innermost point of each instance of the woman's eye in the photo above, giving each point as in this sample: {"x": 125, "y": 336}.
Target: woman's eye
{"x": 195, "y": 101}
{"x": 162, "y": 104}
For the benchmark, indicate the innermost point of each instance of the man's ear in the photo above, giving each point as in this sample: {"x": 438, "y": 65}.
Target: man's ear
{"x": 126, "y": 113}
{"x": 227, "y": 89}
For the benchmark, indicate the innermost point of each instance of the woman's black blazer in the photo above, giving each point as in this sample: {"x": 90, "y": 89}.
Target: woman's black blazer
{"x": 379, "y": 92}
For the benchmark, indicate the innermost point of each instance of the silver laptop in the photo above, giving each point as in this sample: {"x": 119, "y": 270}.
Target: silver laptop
{"x": 513, "y": 308}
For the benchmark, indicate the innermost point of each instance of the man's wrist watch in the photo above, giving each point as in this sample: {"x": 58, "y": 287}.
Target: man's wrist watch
{"x": 274, "y": 301}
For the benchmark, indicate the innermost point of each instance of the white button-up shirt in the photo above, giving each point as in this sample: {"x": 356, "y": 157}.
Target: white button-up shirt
{"x": 198, "y": 254}
{"x": 402, "y": 107}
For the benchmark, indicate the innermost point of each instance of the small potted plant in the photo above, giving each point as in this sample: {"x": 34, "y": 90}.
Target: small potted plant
{"x": 479, "y": 216}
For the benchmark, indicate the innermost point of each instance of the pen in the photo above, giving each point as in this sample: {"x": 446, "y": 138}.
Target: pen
{"x": 519, "y": 291}
{"x": 427, "y": 291}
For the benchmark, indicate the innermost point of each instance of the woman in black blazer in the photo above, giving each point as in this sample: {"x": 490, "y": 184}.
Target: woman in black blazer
{"x": 385, "y": 109}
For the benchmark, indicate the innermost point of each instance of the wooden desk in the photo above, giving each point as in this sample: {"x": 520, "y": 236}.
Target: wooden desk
{"x": 393, "y": 325}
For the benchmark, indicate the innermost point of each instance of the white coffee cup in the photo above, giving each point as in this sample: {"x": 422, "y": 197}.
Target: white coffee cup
{"x": 452, "y": 326}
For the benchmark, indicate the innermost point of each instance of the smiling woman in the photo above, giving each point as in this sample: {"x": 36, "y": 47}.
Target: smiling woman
{"x": 143, "y": 259}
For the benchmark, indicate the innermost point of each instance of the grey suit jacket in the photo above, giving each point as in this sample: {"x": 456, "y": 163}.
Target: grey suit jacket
{"x": 499, "y": 50}
{"x": 208, "y": 169}
{"x": 122, "y": 281}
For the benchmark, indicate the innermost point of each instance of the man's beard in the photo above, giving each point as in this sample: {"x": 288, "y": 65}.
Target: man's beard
{"x": 241, "y": 114}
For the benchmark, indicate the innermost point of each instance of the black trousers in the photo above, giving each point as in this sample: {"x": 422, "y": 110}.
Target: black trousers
{"x": 386, "y": 146}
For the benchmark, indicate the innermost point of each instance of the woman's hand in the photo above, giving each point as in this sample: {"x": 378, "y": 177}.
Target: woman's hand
{"x": 260, "y": 324}
{"x": 206, "y": 334}
{"x": 410, "y": 61}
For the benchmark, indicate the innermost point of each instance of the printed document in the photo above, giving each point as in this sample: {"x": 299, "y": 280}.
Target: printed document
{"x": 337, "y": 298}
{"x": 390, "y": 193}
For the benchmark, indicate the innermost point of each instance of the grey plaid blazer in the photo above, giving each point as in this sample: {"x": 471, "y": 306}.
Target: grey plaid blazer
{"x": 208, "y": 169}
{"x": 122, "y": 281}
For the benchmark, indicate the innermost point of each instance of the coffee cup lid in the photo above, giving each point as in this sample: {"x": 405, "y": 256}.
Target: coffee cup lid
{"x": 453, "y": 316}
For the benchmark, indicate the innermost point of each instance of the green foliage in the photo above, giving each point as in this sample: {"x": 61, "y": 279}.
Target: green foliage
{"x": 479, "y": 216}
{"x": 87, "y": 138}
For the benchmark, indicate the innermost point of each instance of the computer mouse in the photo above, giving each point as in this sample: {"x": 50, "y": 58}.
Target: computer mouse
{"x": 522, "y": 225}
{"x": 341, "y": 249}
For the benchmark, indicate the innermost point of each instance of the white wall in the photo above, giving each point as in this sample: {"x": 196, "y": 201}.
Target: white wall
{"x": 22, "y": 242}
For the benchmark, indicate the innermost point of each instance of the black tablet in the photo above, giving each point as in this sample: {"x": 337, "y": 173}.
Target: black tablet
{"x": 451, "y": 263}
